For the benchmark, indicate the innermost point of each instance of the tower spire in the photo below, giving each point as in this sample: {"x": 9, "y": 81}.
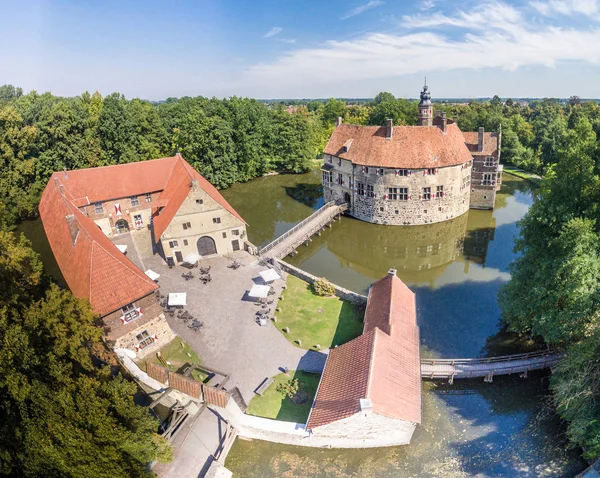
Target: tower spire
{"x": 425, "y": 107}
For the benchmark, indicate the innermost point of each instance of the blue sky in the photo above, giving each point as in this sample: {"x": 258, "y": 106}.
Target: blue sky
{"x": 298, "y": 49}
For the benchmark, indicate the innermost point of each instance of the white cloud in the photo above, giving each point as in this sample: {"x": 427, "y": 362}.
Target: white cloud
{"x": 427, "y": 5}
{"x": 286, "y": 40}
{"x": 493, "y": 35}
{"x": 272, "y": 32}
{"x": 587, "y": 8}
{"x": 363, "y": 8}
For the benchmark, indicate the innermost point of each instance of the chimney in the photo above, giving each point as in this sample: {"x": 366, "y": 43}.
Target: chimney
{"x": 66, "y": 174}
{"x": 444, "y": 122}
{"x": 480, "y": 140}
{"x": 389, "y": 128}
{"x": 338, "y": 121}
{"x": 455, "y": 118}
{"x": 392, "y": 272}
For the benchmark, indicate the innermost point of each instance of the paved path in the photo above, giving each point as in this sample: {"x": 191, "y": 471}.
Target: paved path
{"x": 230, "y": 340}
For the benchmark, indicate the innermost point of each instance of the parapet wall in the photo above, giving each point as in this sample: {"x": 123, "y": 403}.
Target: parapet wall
{"x": 340, "y": 292}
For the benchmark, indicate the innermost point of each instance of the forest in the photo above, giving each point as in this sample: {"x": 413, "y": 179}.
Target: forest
{"x": 59, "y": 392}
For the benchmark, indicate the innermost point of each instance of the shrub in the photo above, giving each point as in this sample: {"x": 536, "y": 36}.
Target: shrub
{"x": 323, "y": 288}
{"x": 289, "y": 388}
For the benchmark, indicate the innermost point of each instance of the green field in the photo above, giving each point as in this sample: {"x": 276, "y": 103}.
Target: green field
{"x": 326, "y": 321}
{"x": 276, "y": 405}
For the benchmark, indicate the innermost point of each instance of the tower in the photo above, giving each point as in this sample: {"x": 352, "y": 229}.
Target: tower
{"x": 425, "y": 107}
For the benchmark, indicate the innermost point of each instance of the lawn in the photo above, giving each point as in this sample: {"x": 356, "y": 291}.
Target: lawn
{"x": 533, "y": 178}
{"x": 274, "y": 404}
{"x": 327, "y": 321}
{"x": 178, "y": 355}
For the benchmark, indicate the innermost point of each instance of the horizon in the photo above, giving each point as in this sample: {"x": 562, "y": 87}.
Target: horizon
{"x": 301, "y": 50}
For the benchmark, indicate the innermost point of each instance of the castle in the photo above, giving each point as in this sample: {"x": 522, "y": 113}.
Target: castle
{"x": 411, "y": 175}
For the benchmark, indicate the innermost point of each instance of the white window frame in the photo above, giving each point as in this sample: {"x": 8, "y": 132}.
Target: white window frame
{"x": 135, "y": 201}
{"x": 130, "y": 313}
{"x": 144, "y": 341}
{"x": 98, "y": 208}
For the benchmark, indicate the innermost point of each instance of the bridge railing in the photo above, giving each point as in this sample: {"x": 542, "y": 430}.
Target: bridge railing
{"x": 486, "y": 360}
{"x": 298, "y": 226}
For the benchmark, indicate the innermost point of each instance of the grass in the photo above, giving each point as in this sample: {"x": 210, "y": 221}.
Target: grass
{"x": 326, "y": 321}
{"x": 178, "y": 355}
{"x": 533, "y": 178}
{"x": 276, "y": 405}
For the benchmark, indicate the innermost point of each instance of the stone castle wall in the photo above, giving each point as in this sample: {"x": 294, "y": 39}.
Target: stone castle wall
{"x": 483, "y": 196}
{"x": 380, "y": 209}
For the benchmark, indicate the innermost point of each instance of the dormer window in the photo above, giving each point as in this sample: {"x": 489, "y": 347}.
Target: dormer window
{"x": 130, "y": 313}
{"x": 346, "y": 146}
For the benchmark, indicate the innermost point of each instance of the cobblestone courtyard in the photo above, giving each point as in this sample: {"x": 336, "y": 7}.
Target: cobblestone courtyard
{"x": 230, "y": 341}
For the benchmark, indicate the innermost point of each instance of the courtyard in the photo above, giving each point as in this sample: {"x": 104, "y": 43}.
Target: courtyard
{"x": 230, "y": 339}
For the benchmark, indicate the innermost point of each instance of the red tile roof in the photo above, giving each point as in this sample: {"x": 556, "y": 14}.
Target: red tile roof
{"x": 416, "y": 147}
{"x": 91, "y": 264}
{"x": 383, "y": 364}
{"x": 176, "y": 190}
{"x": 93, "y": 267}
{"x": 490, "y": 142}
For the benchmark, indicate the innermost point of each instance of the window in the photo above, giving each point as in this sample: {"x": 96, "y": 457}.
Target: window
{"x": 327, "y": 178}
{"x": 148, "y": 197}
{"x": 173, "y": 244}
{"x": 370, "y": 191}
{"x": 379, "y": 171}
{"x": 339, "y": 161}
{"x": 235, "y": 232}
{"x": 134, "y": 201}
{"x": 224, "y": 235}
{"x": 137, "y": 220}
{"x": 144, "y": 339}
{"x": 217, "y": 220}
{"x": 365, "y": 169}
{"x": 380, "y": 209}
{"x": 187, "y": 225}
{"x": 130, "y": 312}
{"x": 489, "y": 161}
{"x": 350, "y": 182}
{"x": 185, "y": 242}
{"x": 403, "y": 194}
{"x": 393, "y": 194}
{"x": 199, "y": 201}
{"x": 360, "y": 189}
{"x": 431, "y": 171}
{"x": 98, "y": 209}
{"x": 235, "y": 245}
{"x": 340, "y": 178}
{"x": 402, "y": 172}
{"x": 331, "y": 159}
{"x": 439, "y": 193}
{"x": 426, "y": 193}
{"x": 487, "y": 179}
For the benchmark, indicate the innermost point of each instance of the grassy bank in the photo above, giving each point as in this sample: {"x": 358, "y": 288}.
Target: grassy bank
{"x": 533, "y": 178}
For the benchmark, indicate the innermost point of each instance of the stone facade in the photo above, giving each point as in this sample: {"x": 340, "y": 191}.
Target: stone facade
{"x": 201, "y": 217}
{"x": 135, "y": 211}
{"x": 398, "y": 196}
{"x": 366, "y": 426}
{"x": 142, "y": 334}
{"x": 485, "y": 180}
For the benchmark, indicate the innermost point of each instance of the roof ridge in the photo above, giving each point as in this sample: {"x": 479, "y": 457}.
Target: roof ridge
{"x": 372, "y": 362}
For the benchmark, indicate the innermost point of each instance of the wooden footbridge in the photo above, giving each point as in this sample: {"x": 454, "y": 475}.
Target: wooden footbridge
{"x": 302, "y": 232}
{"x": 488, "y": 367}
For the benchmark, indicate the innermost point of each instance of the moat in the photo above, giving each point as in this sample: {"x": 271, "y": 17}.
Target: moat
{"x": 455, "y": 268}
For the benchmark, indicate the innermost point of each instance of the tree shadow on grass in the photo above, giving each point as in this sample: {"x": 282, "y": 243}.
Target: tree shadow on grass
{"x": 296, "y": 409}
{"x": 350, "y": 324}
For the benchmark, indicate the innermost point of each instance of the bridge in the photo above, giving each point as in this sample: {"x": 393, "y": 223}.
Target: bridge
{"x": 302, "y": 232}
{"x": 488, "y": 367}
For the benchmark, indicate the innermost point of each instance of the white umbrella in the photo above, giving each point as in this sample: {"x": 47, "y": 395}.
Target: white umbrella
{"x": 122, "y": 248}
{"x": 153, "y": 275}
{"x": 177, "y": 298}
{"x": 192, "y": 258}
{"x": 269, "y": 275}
{"x": 259, "y": 291}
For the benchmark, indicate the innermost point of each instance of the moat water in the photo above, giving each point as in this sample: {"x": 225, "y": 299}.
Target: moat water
{"x": 455, "y": 268}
